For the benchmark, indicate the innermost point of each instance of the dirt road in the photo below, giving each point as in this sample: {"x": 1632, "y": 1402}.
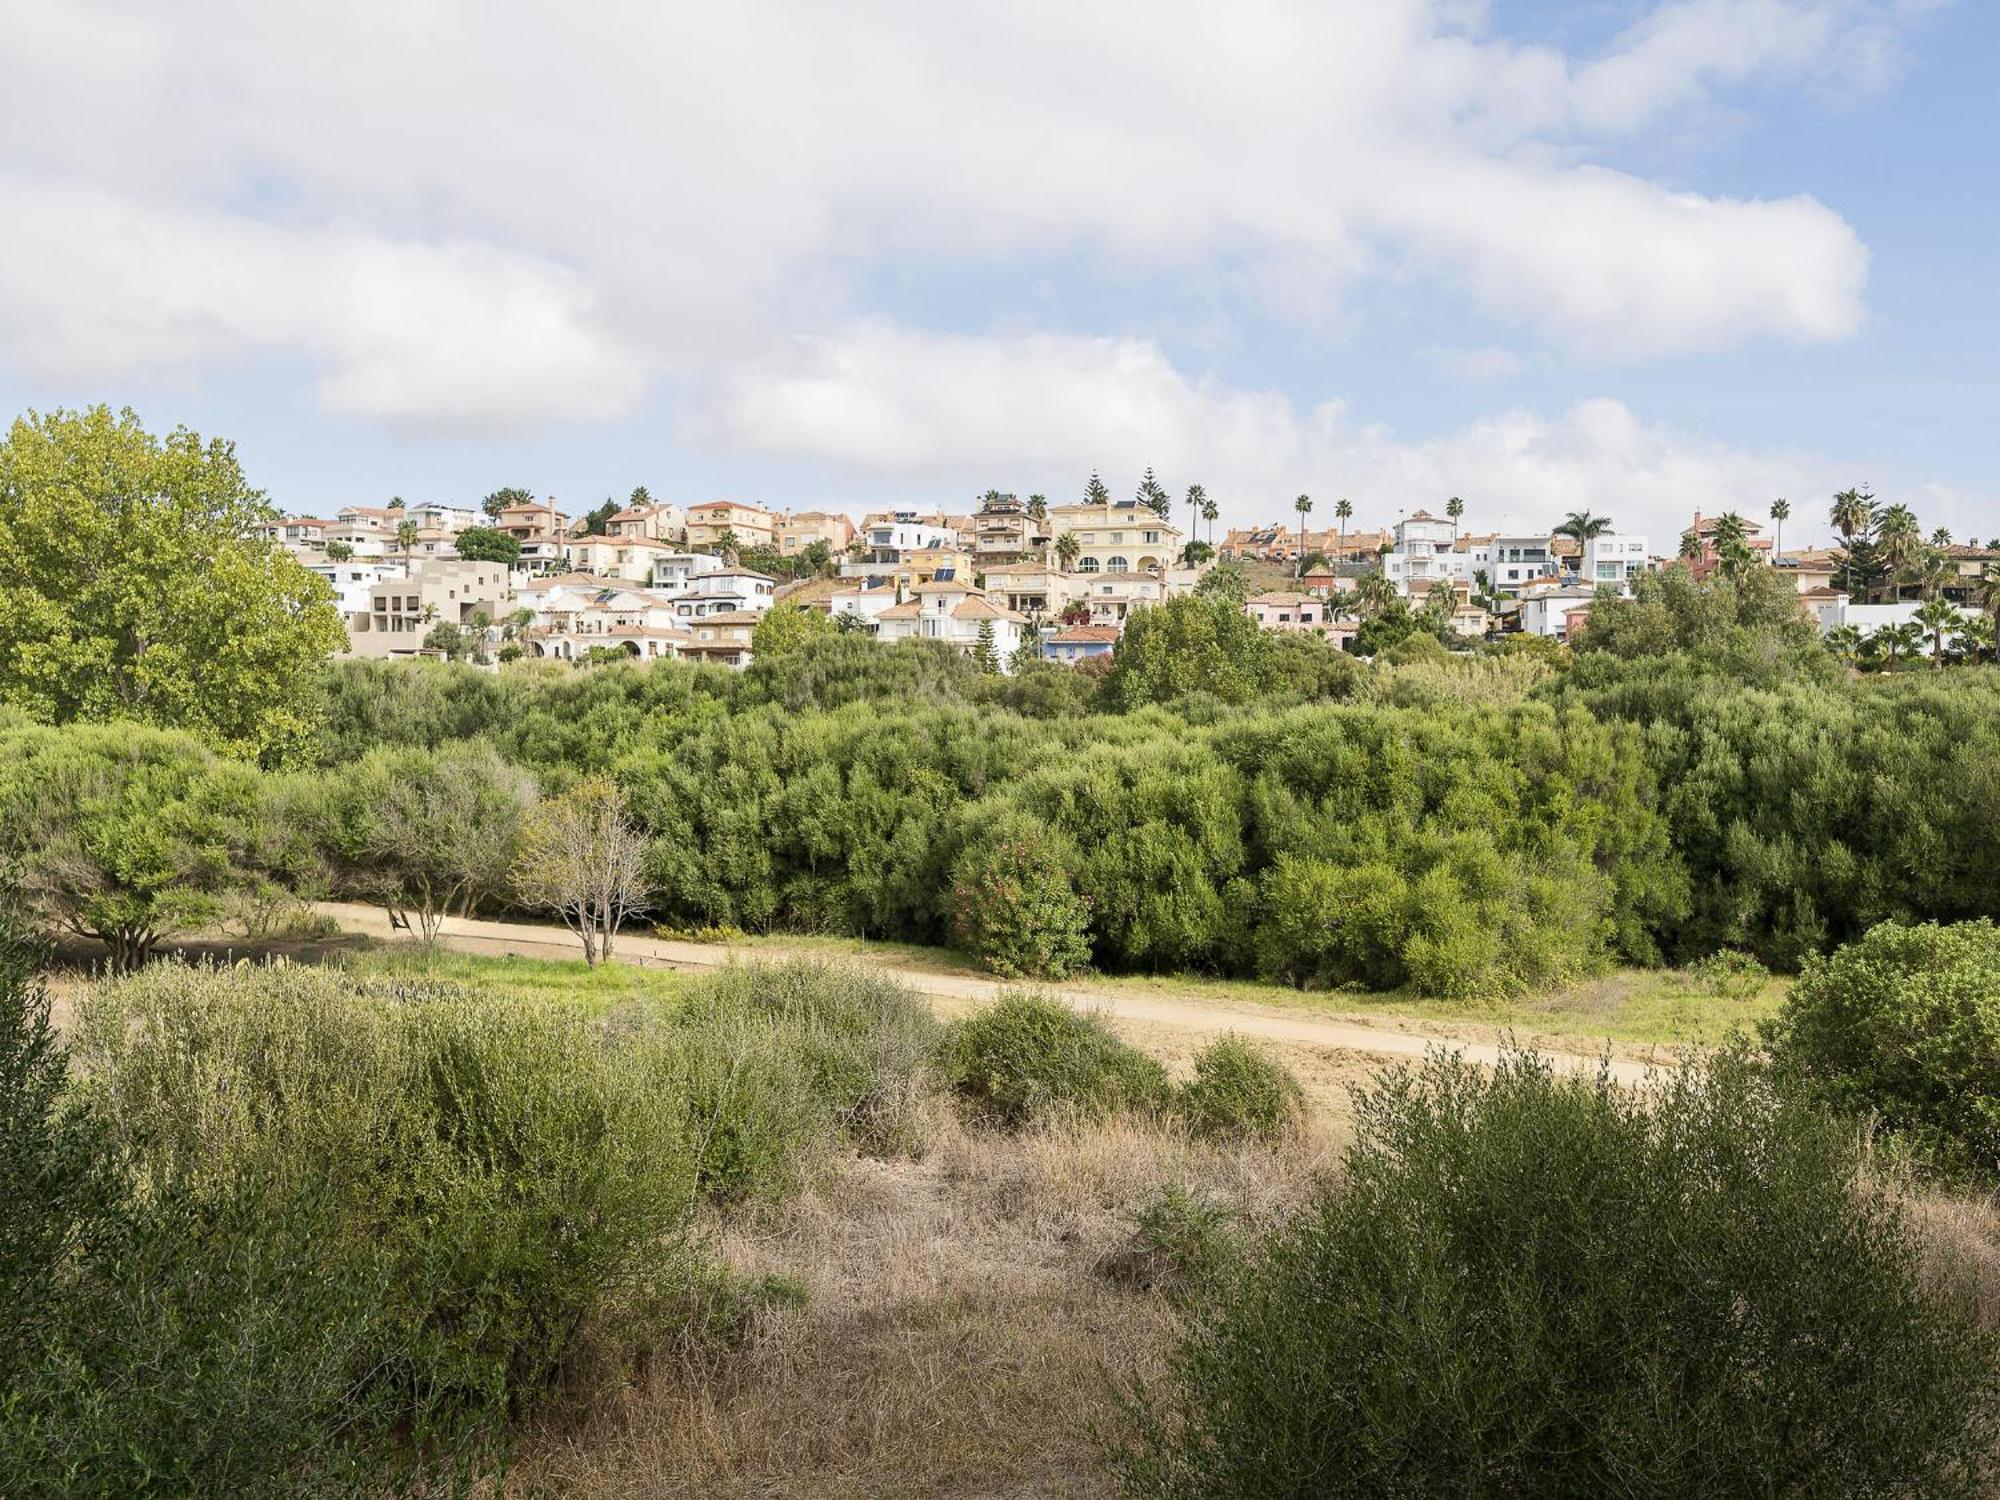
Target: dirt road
{"x": 956, "y": 993}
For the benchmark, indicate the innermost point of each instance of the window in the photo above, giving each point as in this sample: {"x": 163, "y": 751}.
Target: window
{"x": 1117, "y": 565}
{"x": 1086, "y": 565}
{"x": 1117, "y": 536}
{"x": 1284, "y": 617}
{"x": 1149, "y": 536}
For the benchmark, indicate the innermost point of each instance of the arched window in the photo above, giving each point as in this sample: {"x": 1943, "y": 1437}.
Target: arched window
{"x": 1086, "y": 565}
{"x": 1117, "y": 565}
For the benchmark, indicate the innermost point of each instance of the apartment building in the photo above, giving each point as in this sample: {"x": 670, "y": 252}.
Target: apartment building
{"x": 655, "y": 521}
{"x": 1003, "y": 531}
{"x": 891, "y": 537}
{"x": 1613, "y": 561}
{"x": 541, "y": 530}
{"x": 675, "y": 572}
{"x": 726, "y": 591}
{"x": 1518, "y": 560}
{"x": 749, "y": 525}
{"x": 1032, "y": 588}
{"x": 300, "y": 533}
{"x": 721, "y": 639}
{"x": 1118, "y": 538}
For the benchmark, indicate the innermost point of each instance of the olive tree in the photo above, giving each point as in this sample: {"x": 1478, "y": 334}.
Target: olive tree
{"x": 581, "y": 859}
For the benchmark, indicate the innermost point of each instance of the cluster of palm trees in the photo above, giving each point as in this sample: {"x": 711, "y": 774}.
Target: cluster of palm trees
{"x": 1884, "y": 550}
{"x": 1936, "y": 622}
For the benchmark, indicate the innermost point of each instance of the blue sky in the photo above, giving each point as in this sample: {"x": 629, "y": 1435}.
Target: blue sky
{"x": 1644, "y": 257}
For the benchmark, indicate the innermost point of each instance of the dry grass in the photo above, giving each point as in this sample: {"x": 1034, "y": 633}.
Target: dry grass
{"x": 957, "y": 1338}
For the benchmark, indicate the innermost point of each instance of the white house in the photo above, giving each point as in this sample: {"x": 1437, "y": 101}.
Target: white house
{"x": 352, "y": 581}
{"x": 893, "y": 536}
{"x": 946, "y": 609}
{"x": 863, "y": 601}
{"x": 675, "y": 572}
{"x": 1519, "y": 559}
{"x": 1555, "y": 610}
{"x": 1121, "y": 537}
{"x": 1295, "y": 613}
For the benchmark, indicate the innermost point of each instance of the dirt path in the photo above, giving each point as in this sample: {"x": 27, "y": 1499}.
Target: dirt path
{"x": 956, "y": 993}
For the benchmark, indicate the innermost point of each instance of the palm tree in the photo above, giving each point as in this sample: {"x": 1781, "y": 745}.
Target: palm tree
{"x": 1453, "y": 509}
{"x": 1935, "y": 573}
{"x": 406, "y": 538}
{"x": 1894, "y": 640}
{"x": 1901, "y": 541}
{"x": 1582, "y": 525}
{"x": 1690, "y": 546}
{"x": 1303, "y": 505}
{"x": 1844, "y": 641}
{"x": 1211, "y": 513}
{"x": 1937, "y": 616}
{"x": 1941, "y": 538}
{"x": 1781, "y": 512}
{"x": 1342, "y": 510}
{"x": 1197, "y": 502}
{"x": 1373, "y": 593}
{"x": 1981, "y": 635}
{"x": 1038, "y": 507}
{"x": 1067, "y": 548}
{"x": 1731, "y": 539}
{"x": 1853, "y": 513}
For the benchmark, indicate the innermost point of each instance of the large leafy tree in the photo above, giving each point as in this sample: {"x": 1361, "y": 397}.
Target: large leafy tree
{"x": 1900, "y": 540}
{"x": 485, "y": 544}
{"x": 501, "y": 499}
{"x": 132, "y": 586}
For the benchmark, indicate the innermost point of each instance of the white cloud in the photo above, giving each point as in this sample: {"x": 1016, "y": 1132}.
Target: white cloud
{"x": 415, "y": 335}
{"x": 576, "y": 194}
{"x": 1040, "y": 412}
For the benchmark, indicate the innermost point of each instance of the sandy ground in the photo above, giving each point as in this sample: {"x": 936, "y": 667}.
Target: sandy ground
{"x": 953, "y": 994}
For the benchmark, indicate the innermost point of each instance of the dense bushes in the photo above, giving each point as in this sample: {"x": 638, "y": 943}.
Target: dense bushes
{"x": 1237, "y": 1093}
{"x": 1464, "y": 826}
{"x": 295, "y": 1229}
{"x": 1904, "y": 1025}
{"x": 1537, "y": 1285}
{"x": 1027, "y": 1058}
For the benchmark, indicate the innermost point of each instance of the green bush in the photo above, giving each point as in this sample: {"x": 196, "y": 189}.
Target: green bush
{"x": 1533, "y": 1285}
{"x": 1014, "y": 907}
{"x": 1728, "y": 974}
{"x": 1237, "y": 1092}
{"x": 1904, "y": 1025}
{"x": 1027, "y": 1058}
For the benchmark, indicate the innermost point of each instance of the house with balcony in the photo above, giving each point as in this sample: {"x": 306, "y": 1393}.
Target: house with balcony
{"x": 1613, "y": 560}
{"x": 864, "y": 601}
{"x": 541, "y": 530}
{"x": 1555, "y": 608}
{"x": 1003, "y": 531}
{"x": 891, "y": 538}
{"x": 299, "y": 533}
{"x": 721, "y": 640}
{"x": 402, "y": 609}
{"x": 654, "y": 521}
{"x": 1032, "y": 588}
{"x": 1518, "y": 560}
{"x": 798, "y": 531}
{"x": 570, "y": 622}
{"x": 676, "y": 572}
{"x": 631, "y": 558}
{"x": 726, "y": 591}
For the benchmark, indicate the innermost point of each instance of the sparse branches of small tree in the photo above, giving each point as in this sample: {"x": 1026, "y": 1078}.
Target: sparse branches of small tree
{"x": 581, "y": 859}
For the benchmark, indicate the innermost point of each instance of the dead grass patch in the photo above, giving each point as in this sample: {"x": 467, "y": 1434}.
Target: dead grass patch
{"x": 956, "y": 1339}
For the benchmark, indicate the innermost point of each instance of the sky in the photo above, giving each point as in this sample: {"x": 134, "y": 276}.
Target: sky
{"x": 1642, "y": 257}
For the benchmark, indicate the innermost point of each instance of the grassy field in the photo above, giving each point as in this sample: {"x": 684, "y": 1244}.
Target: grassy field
{"x": 604, "y": 987}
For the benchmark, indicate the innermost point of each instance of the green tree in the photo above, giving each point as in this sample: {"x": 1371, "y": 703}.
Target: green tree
{"x": 1095, "y": 493}
{"x": 1067, "y": 549}
{"x": 1781, "y": 512}
{"x": 1226, "y": 580}
{"x": 424, "y": 833}
{"x": 788, "y": 627}
{"x": 640, "y": 496}
{"x": 504, "y": 499}
{"x": 1303, "y": 505}
{"x": 1454, "y": 509}
{"x": 406, "y": 538}
{"x": 985, "y": 653}
{"x": 338, "y": 552}
{"x": 484, "y": 544}
{"x": 1899, "y": 540}
{"x": 1197, "y": 504}
{"x": 396, "y": 502}
{"x": 1191, "y": 643}
{"x": 121, "y": 833}
{"x": 1844, "y": 641}
{"x": 1731, "y": 539}
{"x": 581, "y": 859}
{"x": 595, "y": 519}
{"x": 1153, "y": 495}
{"x": 815, "y": 558}
{"x": 133, "y": 586}
{"x": 1038, "y": 507}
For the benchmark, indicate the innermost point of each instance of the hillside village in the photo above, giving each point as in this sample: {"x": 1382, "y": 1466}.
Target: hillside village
{"x": 1010, "y": 580}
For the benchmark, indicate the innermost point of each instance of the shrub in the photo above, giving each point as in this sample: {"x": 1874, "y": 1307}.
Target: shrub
{"x": 1238, "y": 1092}
{"x": 860, "y": 1045}
{"x": 1014, "y": 905}
{"x": 1904, "y": 1024}
{"x": 467, "y": 1199}
{"x": 1182, "y": 1243}
{"x": 1728, "y": 974}
{"x": 1533, "y": 1285}
{"x": 1027, "y": 1058}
